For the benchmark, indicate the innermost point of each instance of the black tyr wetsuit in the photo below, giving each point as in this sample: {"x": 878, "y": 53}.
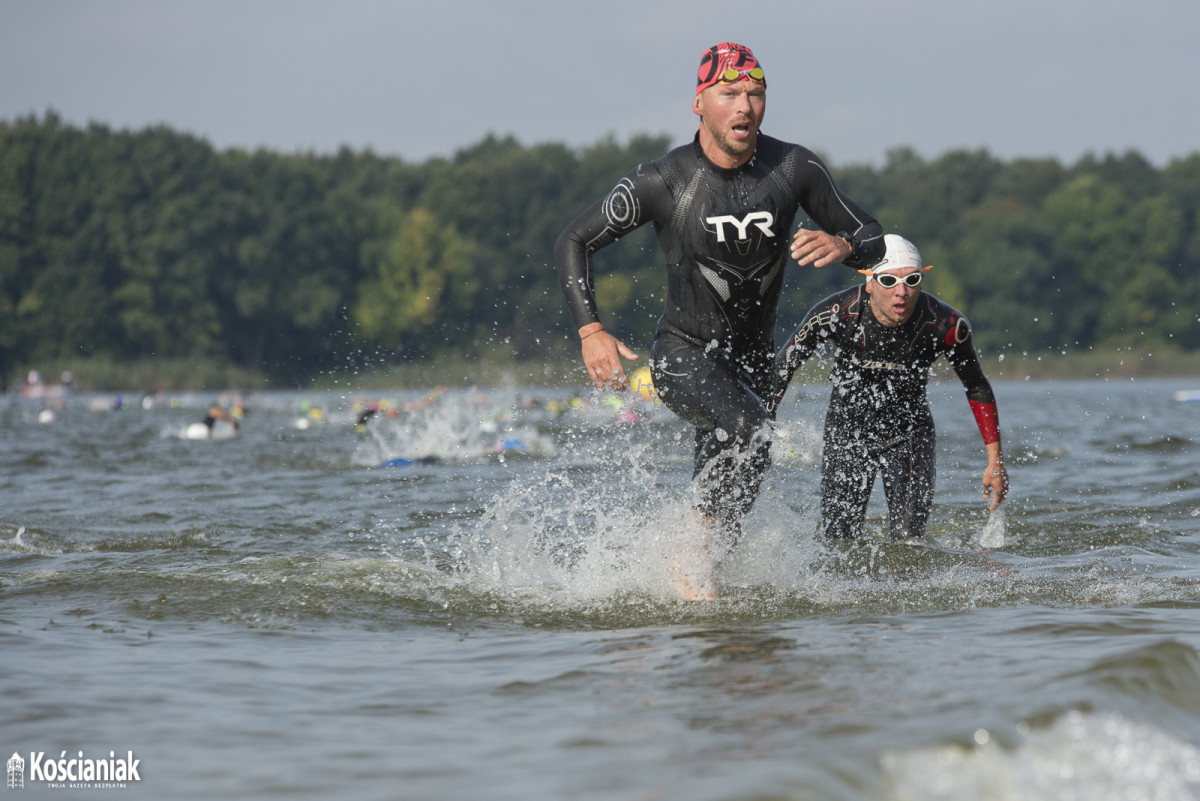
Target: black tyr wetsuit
{"x": 878, "y": 415}
{"x": 724, "y": 235}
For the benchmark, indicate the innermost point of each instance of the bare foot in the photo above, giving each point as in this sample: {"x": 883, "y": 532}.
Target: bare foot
{"x": 692, "y": 572}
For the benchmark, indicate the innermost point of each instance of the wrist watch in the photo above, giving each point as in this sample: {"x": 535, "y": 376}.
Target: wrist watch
{"x": 851, "y": 240}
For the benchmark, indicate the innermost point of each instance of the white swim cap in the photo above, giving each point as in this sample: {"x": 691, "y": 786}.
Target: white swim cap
{"x": 899, "y": 254}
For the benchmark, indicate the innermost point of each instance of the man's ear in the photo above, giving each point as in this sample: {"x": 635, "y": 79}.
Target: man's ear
{"x": 696, "y": 106}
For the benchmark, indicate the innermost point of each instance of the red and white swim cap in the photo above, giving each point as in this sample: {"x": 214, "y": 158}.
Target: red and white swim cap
{"x": 728, "y": 62}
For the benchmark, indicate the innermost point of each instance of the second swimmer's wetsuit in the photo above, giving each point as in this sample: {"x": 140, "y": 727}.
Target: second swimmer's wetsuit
{"x": 878, "y": 417}
{"x": 724, "y": 235}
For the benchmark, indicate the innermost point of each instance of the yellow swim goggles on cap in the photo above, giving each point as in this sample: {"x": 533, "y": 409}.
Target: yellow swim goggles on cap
{"x": 732, "y": 75}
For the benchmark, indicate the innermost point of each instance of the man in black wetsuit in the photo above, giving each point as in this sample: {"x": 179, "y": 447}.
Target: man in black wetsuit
{"x": 723, "y": 207}
{"x": 887, "y": 333}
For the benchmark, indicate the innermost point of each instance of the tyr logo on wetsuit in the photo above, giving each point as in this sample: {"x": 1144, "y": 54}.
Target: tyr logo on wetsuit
{"x": 763, "y": 220}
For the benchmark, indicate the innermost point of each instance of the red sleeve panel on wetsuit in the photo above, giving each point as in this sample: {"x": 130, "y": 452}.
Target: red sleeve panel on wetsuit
{"x": 957, "y": 331}
{"x": 988, "y": 420}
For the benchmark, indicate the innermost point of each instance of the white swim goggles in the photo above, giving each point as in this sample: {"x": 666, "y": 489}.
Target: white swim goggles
{"x": 890, "y": 280}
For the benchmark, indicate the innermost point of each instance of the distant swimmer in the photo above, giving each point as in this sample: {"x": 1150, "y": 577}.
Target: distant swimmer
{"x": 364, "y": 416}
{"x": 886, "y": 334}
{"x": 215, "y": 413}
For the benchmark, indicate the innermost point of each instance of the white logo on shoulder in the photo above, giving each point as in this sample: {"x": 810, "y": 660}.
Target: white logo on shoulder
{"x": 762, "y": 220}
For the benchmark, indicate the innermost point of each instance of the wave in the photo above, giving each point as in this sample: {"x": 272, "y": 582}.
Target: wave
{"x": 1079, "y": 756}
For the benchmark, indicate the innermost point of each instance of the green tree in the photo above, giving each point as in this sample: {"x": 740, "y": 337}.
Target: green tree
{"x": 1113, "y": 250}
{"x": 419, "y": 275}
{"x": 1001, "y": 262}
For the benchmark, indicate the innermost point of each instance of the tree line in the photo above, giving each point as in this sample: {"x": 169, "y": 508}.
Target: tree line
{"x": 133, "y": 245}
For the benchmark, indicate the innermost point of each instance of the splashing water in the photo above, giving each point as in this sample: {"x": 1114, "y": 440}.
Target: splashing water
{"x": 1081, "y": 757}
{"x": 458, "y": 428}
{"x": 992, "y": 535}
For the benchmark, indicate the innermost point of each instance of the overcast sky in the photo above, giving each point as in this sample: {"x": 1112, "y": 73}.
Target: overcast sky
{"x": 850, "y": 78}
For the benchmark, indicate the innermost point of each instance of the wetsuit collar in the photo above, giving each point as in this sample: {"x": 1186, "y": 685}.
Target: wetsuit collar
{"x": 704, "y": 156}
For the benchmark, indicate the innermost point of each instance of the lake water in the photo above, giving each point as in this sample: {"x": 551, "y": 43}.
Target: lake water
{"x": 276, "y": 615}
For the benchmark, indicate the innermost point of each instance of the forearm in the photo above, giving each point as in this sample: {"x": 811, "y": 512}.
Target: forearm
{"x": 987, "y": 417}
{"x": 797, "y": 350}
{"x": 573, "y": 262}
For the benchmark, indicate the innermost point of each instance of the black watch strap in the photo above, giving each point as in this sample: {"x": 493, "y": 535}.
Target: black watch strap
{"x": 851, "y": 239}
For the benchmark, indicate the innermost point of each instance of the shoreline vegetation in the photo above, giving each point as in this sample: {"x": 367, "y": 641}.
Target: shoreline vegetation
{"x": 136, "y": 246}
{"x": 497, "y": 370}
{"x": 178, "y": 263}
